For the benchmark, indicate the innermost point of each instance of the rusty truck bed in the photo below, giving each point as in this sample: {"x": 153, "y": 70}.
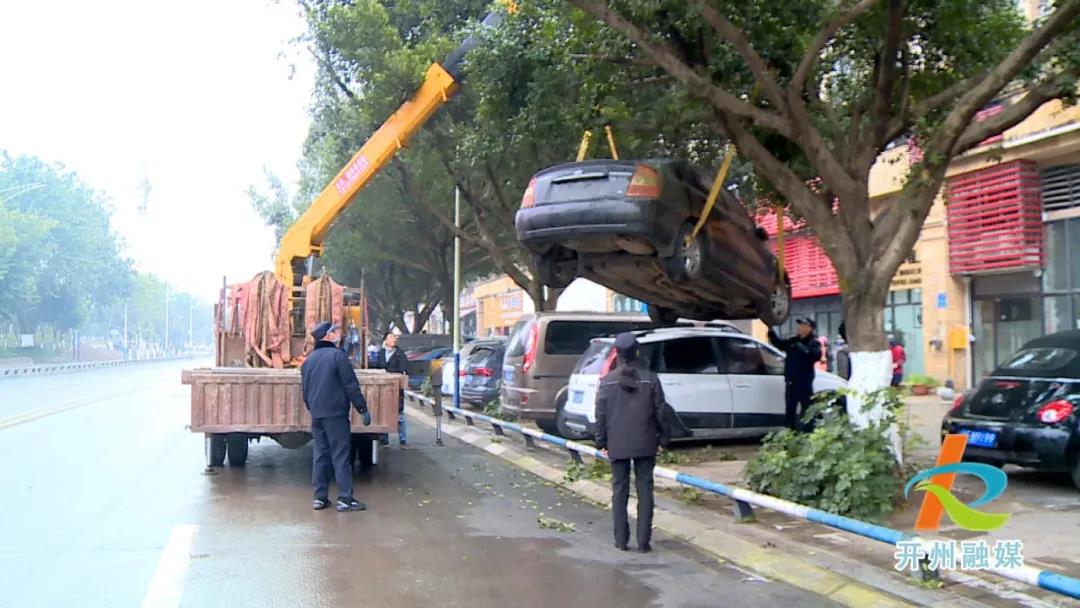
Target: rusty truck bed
{"x": 268, "y": 401}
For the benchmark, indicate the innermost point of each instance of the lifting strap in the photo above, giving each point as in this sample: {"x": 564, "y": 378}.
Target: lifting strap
{"x": 586, "y": 139}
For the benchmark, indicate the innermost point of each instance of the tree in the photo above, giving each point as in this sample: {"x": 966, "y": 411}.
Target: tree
{"x": 838, "y": 83}
{"x": 59, "y": 257}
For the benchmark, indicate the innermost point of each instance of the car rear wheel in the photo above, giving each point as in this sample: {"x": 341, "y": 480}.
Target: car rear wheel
{"x": 778, "y": 306}
{"x": 662, "y": 316}
{"x": 690, "y": 256}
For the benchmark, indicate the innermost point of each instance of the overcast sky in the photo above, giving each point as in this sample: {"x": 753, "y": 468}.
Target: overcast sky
{"x": 195, "y": 96}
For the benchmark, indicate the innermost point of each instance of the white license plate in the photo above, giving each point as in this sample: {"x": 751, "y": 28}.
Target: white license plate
{"x": 579, "y": 396}
{"x": 508, "y": 375}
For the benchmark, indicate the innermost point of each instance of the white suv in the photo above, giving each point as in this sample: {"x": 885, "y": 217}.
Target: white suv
{"x": 721, "y": 383}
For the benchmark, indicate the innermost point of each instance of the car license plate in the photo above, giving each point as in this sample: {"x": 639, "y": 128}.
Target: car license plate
{"x": 579, "y": 396}
{"x": 981, "y": 439}
{"x": 508, "y": 375}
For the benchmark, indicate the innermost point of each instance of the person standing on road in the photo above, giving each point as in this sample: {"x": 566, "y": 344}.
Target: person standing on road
{"x": 329, "y": 383}
{"x": 630, "y": 427}
{"x": 803, "y": 351}
{"x": 392, "y": 360}
{"x": 899, "y": 357}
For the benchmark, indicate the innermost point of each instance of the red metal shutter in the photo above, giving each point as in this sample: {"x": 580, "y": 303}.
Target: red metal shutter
{"x": 995, "y": 219}
{"x": 812, "y": 273}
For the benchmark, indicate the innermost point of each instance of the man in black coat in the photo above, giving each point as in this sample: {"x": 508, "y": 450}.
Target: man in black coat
{"x": 630, "y": 426}
{"x": 803, "y": 351}
{"x": 393, "y": 360}
{"x": 329, "y": 383}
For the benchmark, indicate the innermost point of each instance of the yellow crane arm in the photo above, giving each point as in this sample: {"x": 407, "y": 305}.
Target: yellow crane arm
{"x": 305, "y": 237}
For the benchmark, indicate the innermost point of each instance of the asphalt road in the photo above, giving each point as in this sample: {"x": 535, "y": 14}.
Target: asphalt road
{"x": 105, "y": 504}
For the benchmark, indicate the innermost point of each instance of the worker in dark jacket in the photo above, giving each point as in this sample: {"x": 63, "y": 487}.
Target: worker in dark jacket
{"x": 329, "y": 384}
{"x": 803, "y": 351}
{"x": 393, "y": 360}
{"x": 630, "y": 426}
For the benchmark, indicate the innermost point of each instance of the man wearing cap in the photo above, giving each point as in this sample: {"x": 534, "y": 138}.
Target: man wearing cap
{"x": 803, "y": 351}
{"x": 329, "y": 383}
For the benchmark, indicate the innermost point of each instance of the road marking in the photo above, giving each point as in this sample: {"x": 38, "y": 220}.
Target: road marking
{"x": 168, "y": 583}
{"x": 32, "y": 416}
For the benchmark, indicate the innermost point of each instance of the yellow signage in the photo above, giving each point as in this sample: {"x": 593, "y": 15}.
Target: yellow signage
{"x": 909, "y": 276}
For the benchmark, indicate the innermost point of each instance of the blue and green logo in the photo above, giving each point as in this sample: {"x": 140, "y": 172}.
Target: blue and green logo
{"x": 939, "y": 499}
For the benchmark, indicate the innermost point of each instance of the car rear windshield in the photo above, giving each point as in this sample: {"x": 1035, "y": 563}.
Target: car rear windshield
{"x": 593, "y": 359}
{"x": 1039, "y": 361}
{"x": 516, "y": 346}
{"x": 572, "y": 337}
{"x": 485, "y": 356}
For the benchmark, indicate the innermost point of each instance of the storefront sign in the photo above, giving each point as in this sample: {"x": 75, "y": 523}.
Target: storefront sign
{"x": 909, "y": 276}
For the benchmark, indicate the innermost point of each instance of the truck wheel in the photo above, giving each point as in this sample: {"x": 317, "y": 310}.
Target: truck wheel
{"x": 216, "y": 449}
{"x": 238, "y": 449}
{"x": 361, "y": 449}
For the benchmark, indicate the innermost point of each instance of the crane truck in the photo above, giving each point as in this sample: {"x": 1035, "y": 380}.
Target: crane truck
{"x": 254, "y": 389}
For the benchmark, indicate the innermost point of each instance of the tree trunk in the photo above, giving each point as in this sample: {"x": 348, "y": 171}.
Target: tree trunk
{"x": 871, "y": 360}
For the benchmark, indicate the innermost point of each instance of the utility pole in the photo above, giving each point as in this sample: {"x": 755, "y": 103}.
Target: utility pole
{"x": 457, "y": 298}
{"x": 190, "y": 337}
{"x": 166, "y": 319}
{"x": 127, "y": 347}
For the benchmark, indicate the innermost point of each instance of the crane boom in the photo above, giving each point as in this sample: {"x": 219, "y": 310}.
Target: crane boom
{"x": 305, "y": 237}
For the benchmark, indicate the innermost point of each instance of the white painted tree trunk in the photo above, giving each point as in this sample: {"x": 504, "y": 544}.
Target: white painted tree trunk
{"x": 871, "y": 371}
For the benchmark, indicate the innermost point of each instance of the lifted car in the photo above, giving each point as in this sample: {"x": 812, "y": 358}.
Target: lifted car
{"x": 629, "y": 225}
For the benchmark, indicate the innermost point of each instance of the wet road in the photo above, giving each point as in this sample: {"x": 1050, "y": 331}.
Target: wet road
{"x": 104, "y": 504}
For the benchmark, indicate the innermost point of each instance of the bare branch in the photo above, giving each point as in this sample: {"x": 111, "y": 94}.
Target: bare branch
{"x": 737, "y": 38}
{"x": 841, "y": 19}
{"x": 886, "y": 72}
{"x": 1014, "y": 114}
{"x": 902, "y": 122}
{"x": 667, "y": 57}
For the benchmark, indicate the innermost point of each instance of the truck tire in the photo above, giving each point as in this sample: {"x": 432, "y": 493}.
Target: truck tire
{"x": 363, "y": 458}
{"x": 216, "y": 450}
{"x": 238, "y": 449}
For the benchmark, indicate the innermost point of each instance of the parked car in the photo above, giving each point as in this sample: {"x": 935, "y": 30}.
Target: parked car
{"x": 423, "y": 363}
{"x": 1027, "y": 412}
{"x": 466, "y": 350}
{"x": 721, "y": 383}
{"x": 541, "y": 353}
{"x": 629, "y": 225}
{"x": 483, "y": 373}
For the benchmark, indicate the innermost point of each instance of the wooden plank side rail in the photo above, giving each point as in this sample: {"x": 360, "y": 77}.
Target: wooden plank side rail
{"x": 266, "y": 400}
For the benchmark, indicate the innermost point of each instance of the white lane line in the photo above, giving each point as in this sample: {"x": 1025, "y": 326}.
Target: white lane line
{"x": 31, "y": 416}
{"x": 168, "y": 583}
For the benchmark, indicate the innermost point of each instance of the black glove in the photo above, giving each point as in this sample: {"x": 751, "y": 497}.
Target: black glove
{"x": 366, "y": 417}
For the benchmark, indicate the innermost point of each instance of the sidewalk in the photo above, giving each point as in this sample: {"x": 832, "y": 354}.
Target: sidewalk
{"x": 848, "y": 568}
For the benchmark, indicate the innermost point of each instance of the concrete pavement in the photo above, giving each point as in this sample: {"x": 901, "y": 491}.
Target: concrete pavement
{"x": 105, "y": 505}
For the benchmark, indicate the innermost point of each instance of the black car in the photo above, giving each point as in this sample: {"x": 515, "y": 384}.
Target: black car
{"x": 629, "y": 225}
{"x": 482, "y": 372}
{"x": 1027, "y": 412}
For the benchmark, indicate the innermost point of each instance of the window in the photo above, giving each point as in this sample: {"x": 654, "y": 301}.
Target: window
{"x": 573, "y": 337}
{"x": 747, "y": 357}
{"x": 1035, "y": 360}
{"x": 1056, "y": 275}
{"x": 593, "y": 359}
{"x": 688, "y": 356}
{"x": 1074, "y": 244}
{"x": 1058, "y": 315}
{"x": 516, "y": 346}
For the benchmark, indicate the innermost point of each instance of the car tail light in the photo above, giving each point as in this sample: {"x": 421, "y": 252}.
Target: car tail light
{"x": 461, "y": 372}
{"x": 1055, "y": 411}
{"x": 644, "y": 183}
{"x": 486, "y": 372}
{"x": 530, "y": 349}
{"x": 957, "y": 403}
{"x": 609, "y": 363}
{"x": 529, "y": 198}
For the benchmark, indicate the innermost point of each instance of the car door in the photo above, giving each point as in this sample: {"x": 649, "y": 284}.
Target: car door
{"x": 693, "y": 384}
{"x": 756, "y": 374}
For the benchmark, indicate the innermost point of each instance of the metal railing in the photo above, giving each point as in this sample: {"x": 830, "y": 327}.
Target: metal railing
{"x": 744, "y": 500}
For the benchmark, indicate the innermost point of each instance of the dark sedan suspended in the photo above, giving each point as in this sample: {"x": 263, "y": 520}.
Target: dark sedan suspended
{"x": 1028, "y": 411}
{"x": 630, "y": 225}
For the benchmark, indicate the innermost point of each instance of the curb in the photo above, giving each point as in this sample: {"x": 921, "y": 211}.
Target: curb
{"x": 767, "y": 561}
{"x": 42, "y": 370}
